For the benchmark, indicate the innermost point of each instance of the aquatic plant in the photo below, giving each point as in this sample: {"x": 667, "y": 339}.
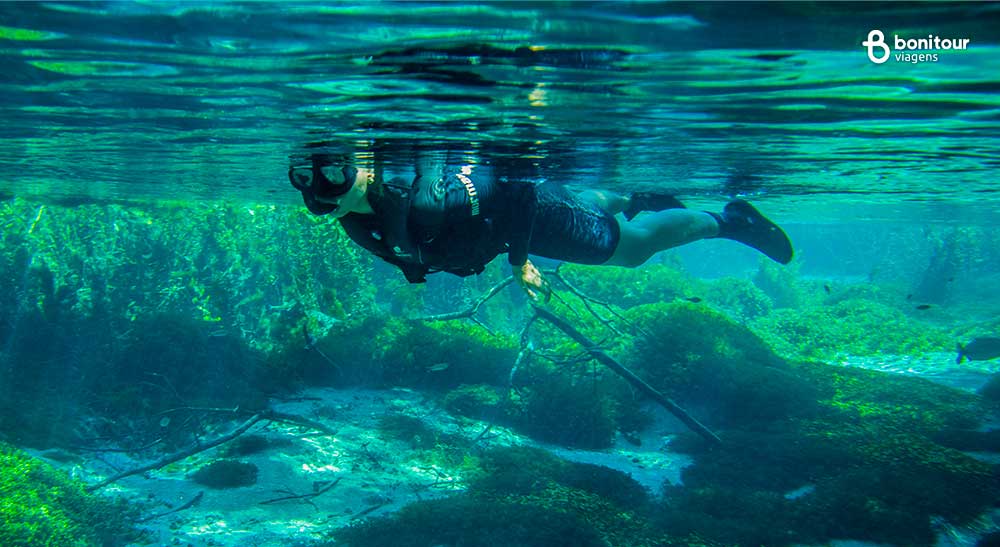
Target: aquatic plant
{"x": 850, "y": 327}
{"x": 527, "y": 498}
{"x": 628, "y": 287}
{"x": 102, "y": 292}
{"x": 411, "y": 430}
{"x": 42, "y": 506}
{"x": 441, "y": 355}
{"x": 864, "y": 464}
{"x": 557, "y": 409}
{"x": 700, "y": 357}
{"x": 478, "y": 401}
{"x": 739, "y": 297}
{"x": 246, "y": 445}
{"x": 781, "y": 284}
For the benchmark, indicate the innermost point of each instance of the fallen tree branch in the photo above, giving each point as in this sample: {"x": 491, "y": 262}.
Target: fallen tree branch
{"x": 469, "y": 312}
{"x": 177, "y": 456}
{"x": 628, "y": 375}
{"x": 187, "y": 505}
{"x": 303, "y": 497}
{"x": 268, "y": 414}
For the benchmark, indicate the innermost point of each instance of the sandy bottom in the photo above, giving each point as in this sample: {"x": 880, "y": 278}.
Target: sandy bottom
{"x": 373, "y": 476}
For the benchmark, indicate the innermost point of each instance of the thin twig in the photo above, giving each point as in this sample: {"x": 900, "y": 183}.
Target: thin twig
{"x": 190, "y": 503}
{"x": 303, "y": 497}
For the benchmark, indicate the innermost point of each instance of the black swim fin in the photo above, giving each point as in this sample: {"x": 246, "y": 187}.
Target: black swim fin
{"x": 740, "y": 221}
{"x": 650, "y": 201}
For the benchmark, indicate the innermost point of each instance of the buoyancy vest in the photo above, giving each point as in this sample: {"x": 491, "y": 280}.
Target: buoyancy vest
{"x": 429, "y": 222}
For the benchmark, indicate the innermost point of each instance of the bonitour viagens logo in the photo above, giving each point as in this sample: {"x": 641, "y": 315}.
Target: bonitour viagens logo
{"x": 903, "y": 48}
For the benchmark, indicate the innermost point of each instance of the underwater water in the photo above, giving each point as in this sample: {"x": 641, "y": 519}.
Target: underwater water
{"x": 188, "y": 357}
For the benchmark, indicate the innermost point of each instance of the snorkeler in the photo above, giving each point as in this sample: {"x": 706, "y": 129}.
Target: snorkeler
{"x": 457, "y": 218}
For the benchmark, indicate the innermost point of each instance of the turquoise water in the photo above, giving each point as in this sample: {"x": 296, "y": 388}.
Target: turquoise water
{"x": 162, "y": 284}
{"x": 155, "y": 100}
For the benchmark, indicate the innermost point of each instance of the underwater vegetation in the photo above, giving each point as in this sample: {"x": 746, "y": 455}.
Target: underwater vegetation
{"x": 42, "y": 506}
{"x": 850, "y": 327}
{"x": 226, "y": 474}
{"x": 811, "y": 452}
{"x": 528, "y": 498}
{"x": 124, "y": 319}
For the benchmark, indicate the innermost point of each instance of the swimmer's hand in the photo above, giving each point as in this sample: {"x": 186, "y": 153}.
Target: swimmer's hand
{"x": 532, "y": 282}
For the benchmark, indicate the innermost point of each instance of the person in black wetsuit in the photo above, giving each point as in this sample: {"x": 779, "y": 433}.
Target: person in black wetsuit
{"x": 457, "y": 218}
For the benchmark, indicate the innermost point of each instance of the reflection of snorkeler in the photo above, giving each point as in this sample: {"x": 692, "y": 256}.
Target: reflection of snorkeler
{"x": 457, "y": 218}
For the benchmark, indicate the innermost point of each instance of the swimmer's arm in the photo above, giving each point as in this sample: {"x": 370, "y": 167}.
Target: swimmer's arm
{"x": 522, "y": 215}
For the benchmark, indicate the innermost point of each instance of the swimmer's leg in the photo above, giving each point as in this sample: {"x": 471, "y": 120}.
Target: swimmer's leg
{"x": 632, "y": 204}
{"x": 739, "y": 221}
{"x": 640, "y": 240}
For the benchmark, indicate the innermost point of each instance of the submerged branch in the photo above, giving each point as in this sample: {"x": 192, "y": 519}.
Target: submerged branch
{"x": 187, "y": 505}
{"x": 177, "y": 456}
{"x": 302, "y": 497}
{"x": 628, "y": 375}
{"x": 469, "y": 312}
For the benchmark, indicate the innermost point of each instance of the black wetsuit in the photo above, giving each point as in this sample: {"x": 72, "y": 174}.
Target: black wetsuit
{"x": 456, "y": 219}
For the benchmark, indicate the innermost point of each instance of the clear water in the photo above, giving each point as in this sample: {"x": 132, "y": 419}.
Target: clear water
{"x": 195, "y": 101}
{"x": 883, "y": 175}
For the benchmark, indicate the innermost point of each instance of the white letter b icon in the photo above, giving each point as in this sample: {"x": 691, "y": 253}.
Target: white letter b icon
{"x": 876, "y": 39}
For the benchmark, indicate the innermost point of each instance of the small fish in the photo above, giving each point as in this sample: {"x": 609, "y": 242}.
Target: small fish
{"x": 694, "y": 299}
{"x": 909, "y": 296}
{"x": 438, "y": 367}
{"x": 826, "y": 288}
{"x": 979, "y": 349}
{"x": 924, "y": 307}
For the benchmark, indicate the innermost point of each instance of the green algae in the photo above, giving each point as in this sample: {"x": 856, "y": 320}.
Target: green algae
{"x": 42, "y": 506}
